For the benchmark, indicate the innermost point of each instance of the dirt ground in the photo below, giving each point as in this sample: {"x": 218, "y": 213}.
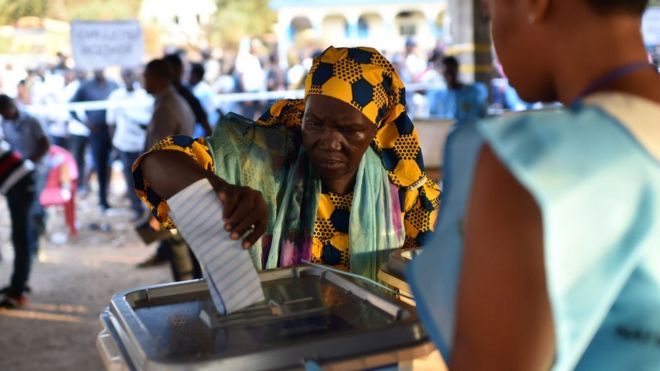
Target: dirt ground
{"x": 72, "y": 281}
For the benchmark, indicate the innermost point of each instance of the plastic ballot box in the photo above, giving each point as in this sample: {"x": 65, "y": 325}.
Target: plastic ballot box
{"x": 311, "y": 319}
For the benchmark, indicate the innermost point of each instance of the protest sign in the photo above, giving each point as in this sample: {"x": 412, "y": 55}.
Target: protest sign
{"x": 100, "y": 44}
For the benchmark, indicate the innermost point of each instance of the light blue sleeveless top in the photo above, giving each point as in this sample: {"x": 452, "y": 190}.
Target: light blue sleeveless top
{"x": 598, "y": 190}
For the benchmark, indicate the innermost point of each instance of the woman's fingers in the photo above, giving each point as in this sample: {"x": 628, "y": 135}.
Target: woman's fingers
{"x": 244, "y": 223}
{"x": 244, "y": 211}
{"x": 257, "y": 232}
{"x": 229, "y": 197}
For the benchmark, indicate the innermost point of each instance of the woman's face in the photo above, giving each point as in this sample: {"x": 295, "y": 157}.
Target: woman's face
{"x": 335, "y": 136}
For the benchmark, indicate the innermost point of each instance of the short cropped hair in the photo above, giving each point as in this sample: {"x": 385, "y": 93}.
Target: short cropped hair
{"x": 197, "y": 69}
{"x": 609, "y": 6}
{"x": 5, "y": 102}
{"x": 159, "y": 68}
{"x": 450, "y": 62}
{"x": 174, "y": 60}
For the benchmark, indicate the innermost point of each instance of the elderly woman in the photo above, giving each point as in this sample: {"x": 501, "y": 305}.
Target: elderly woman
{"x": 336, "y": 178}
{"x": 547, "y": 252}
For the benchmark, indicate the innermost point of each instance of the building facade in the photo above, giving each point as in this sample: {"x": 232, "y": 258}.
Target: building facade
{"x": 382, "y": 24}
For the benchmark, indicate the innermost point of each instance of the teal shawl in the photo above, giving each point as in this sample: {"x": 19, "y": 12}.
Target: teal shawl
{"x": 272, "y": 161}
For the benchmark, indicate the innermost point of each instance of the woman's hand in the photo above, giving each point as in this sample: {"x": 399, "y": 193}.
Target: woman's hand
{"x": 244, "y": 212}
{"x": 244, "y": 208}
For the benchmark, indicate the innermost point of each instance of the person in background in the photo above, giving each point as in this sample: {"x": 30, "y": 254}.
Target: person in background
{"x": 129, "y": 115}
{"x": 171, "y": 116}
{"x": 26, "y": 136}
{"x": 52, "y": 112}
{"x": 461, "y": 102}
{"x": 226, "y": 84}
{"x": 97, "y": 89}
{"x": 10, "y": 76}
{"x": 17, "y": 185}
{"x": 78, "y": 132}
{"x": 295, "y": 75}
{"x": 201, "y": 117}
{"x": 251, "y": 76}
{"x": 275, "y": 76}
{"x": 171, "y": 113}
{"x": 23, "y": 93}
{"x": 202, "y": 90}
{"x": 211, "y": 63}
{"x": 547, "y": 251}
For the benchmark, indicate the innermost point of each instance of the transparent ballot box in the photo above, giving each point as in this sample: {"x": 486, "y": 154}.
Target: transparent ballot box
{"x": 311, "y": 318}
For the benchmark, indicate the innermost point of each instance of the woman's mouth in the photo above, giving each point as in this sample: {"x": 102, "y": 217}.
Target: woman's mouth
{"x": 330, "y": 164}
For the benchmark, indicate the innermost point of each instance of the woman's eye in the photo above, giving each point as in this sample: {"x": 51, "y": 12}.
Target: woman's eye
{"x": 313, "y": 124}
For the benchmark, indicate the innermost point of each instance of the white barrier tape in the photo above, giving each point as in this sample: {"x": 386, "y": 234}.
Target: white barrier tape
{"x": 217, "y": 100}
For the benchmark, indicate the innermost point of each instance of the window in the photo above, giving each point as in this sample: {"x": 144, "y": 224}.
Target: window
{"x": 408, "y": 29}
{"x": 362, "y": 28}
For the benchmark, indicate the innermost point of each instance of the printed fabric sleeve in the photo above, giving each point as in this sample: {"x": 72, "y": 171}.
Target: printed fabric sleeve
{"x": 420, "y": 211}
{"x": 197, "y": 149}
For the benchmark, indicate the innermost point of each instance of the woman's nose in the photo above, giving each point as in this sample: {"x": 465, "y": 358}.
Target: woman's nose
{"x": 330, "y": 140}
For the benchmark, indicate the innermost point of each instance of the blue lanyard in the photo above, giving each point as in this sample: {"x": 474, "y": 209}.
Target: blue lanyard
{"x": 610, "y": 76}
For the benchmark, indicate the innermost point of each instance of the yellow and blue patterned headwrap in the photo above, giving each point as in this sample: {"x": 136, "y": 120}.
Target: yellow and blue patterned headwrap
{"x": 366, "y": 80}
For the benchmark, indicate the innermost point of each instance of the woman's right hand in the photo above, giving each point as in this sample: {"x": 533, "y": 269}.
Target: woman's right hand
{"x": 244, "y": 211}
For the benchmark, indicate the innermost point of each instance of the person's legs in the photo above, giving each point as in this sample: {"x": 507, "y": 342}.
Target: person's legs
{"x": 101, "y": 146}
{"x": 127, "y": 160}
{"x": 162, "y": 255}
{"x": 78, "y": 145}
{"x": 38, "y": 213}
{"x": 20, "y": 199}
{"x": 181, "y": 263}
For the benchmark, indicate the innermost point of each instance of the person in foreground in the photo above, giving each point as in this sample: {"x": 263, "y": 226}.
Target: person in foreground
{"x": 335, "y": 178}
{"x": 547, "y": 251}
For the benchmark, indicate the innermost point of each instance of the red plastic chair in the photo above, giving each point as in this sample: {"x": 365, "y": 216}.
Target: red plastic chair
{"x": 61, "y": 185}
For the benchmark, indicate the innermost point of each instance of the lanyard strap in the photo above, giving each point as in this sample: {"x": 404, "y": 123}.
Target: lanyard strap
{"x": 612, "y": 75}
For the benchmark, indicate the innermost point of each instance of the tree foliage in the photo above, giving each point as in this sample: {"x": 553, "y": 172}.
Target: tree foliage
{"x": 238, "y": 18}
{"x": 66, "y": 10}
{"x": 12, "y": 10}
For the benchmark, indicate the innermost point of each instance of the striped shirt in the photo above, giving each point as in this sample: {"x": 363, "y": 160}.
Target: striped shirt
{"x": 13, "y": 167}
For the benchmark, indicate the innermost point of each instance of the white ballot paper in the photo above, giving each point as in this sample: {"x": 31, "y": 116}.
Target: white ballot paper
{"x": 227, "y": 267}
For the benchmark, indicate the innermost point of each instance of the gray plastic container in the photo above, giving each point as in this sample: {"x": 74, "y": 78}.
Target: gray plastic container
{"x": 310, "y": 317}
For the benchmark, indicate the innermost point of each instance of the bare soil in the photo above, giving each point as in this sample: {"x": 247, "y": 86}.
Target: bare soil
{"x": 72, "y": 282}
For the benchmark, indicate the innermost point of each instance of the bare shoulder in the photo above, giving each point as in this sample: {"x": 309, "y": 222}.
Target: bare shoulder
{"x": 503, "y": 306}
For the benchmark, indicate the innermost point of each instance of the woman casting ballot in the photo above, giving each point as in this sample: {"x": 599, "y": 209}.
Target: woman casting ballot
{"x": 335, "y": 178}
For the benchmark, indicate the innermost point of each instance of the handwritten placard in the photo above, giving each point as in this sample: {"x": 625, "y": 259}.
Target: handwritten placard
{"x": 100, "y": 44}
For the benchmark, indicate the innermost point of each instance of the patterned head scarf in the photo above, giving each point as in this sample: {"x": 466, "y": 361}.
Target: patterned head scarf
{"x": 367, "y": 81}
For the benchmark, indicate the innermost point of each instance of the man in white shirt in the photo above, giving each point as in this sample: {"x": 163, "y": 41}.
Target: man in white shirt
{"x": 129, "y": 114}
{"x": 202, "y": 91}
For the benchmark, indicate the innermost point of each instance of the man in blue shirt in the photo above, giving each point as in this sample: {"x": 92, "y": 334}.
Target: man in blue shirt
{"x": 460, "y": 102}
{"x": 98, "y": 88}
